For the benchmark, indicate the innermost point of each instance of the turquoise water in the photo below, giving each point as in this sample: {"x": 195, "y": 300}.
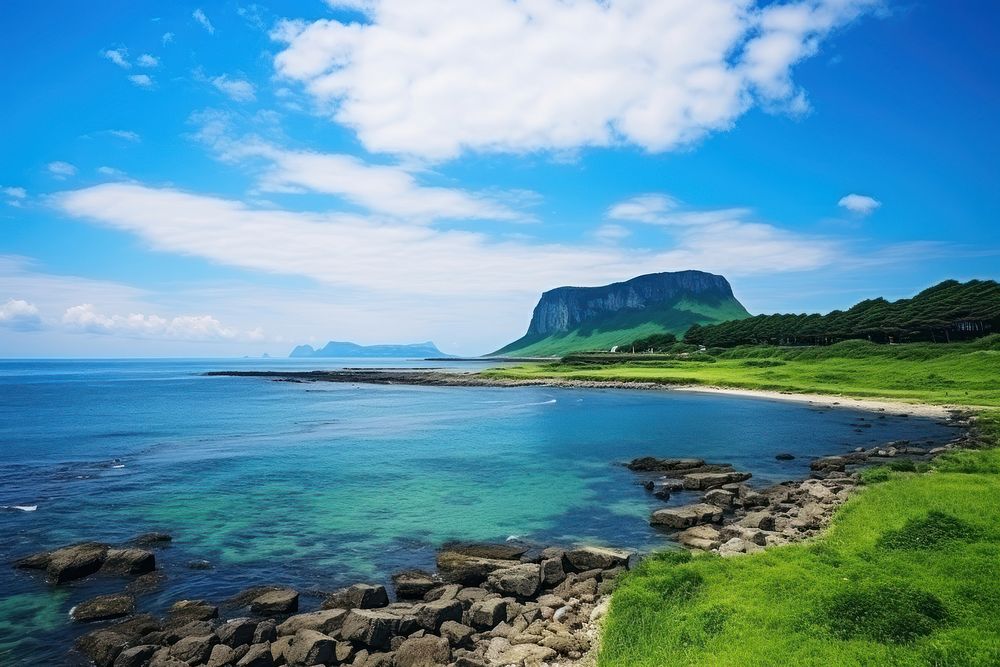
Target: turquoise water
{"x": 321, "y": 485}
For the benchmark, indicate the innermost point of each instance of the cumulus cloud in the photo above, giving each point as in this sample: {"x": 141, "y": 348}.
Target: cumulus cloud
{"x": 20, "y": 315}
{"x": 435, "y": 78}
{"x": 236, "y": 89}
{"x": 15, "y": 195}
{"x": 200, "y": 17}
{"x": 87, "y": 319}
{"x": 141, "y": 80}
{"x": 61, "y": 169}
{"x": 146, "y": 60}
{"x": 375, "y": 254}
{"x": 859, "y": 204}
{"x": 118, "y": 56}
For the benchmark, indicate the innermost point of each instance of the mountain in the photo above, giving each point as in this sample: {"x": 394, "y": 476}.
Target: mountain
{"x": 341, "y": 349}
{"x": 575, "y": 319}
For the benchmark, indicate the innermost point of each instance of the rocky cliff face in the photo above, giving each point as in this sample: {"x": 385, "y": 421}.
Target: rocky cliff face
{"x": 564, "y": 308}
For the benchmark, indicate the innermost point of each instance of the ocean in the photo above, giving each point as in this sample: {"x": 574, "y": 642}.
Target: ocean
{"x": 320, "y": 485}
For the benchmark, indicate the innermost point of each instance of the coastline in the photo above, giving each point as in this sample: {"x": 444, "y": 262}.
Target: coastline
{"x": 421, "y": 377}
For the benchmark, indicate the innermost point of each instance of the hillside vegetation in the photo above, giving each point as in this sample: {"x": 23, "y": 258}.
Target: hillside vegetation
{"x": 949, "y": 311}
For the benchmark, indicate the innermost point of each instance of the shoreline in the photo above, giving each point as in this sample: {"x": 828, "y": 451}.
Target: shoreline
{"x": 463, "y": 379}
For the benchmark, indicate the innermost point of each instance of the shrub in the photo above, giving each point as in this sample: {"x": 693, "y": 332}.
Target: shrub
{"x": 889, "y": 613}
{"x": 903, "y": 465}
{"x": 933, "y": 530}
{"x": 875, "y": 474}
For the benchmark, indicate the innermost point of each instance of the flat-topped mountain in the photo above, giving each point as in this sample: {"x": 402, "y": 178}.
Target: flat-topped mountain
{"x": 575, "y": 319}
{"x": 344, "y": 349}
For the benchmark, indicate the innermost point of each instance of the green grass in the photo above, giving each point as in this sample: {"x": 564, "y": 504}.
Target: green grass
{"x": 907, "y": 574}
{"x": 626, "y": 326}
{"x": 957, "y": 373}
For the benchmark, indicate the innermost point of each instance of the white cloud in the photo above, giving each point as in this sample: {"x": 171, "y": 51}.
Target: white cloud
{"x": 168, "y": 37}
{"x": 661, "y": 209}
{"x": 200, "y": 17}
{"x": 61, "y": 169}
{"x": 439, "y": 77}
{"x": 14, "y": 192}
{"x": 239, "y": 90}
{"x": 110, "y": 172}
{"x": 118, "y": 56}
{"x": 146, "y": 60}
{"x": 127, "y": 135}
{"x": 141, "y": 80}
{"x": 612, "y": 233}
{"x": 20, "y": 315}
{"x": 859, "y": 204}
{"x": 373, "y": 254}
{"x": 86, "y": 318}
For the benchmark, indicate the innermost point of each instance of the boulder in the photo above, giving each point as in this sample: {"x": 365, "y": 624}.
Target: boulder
{"x": 185, "y": 611}
{"x": 443, "y": 592}
{"x": 102, "y": 646}
{"x": 68, "y": 563}
{"x": 686, "y": 516}
{"x": 719, "y": 498}
{"x": 763, "y": 520}
{"x": 259, "y": 655}
{"x": 358, "y": 596}
{"x": 525, "y": 654}
{"x": 485, "y": 550}
{"x": 431, "y": 615}
{"x": 589, "y": 558}
{"x": 151, "y": 539}
{"x": 266, "y": 632}
{"x": 326, "y": 621}
{"x": 137, "y": 656}
{"x": 129, "y": 561}
{"x": 651, "y": 464}
{"x": 784, "y": 456}
{"x": 281, "y": 601}
{"x": 310, "y": 648}
{"x": 458, "y": 568}
{"x": 552, "y": 572}
{"x": 520, "y": 581}
{"x": 194, "y": 650}
{"x": 829, "y": 464}
{"x": 428, "y": 651}
{"x": 370, "y": 627}
{"x": 704, "y": 481}
{"x": 222, "y": 656}
{"x": 413, "y": 584}
{"x": 457, "y": 634}
{"x": 703, "y": 537}
{"x": 237, "y": 632}
{"x": 488, "y": 613}
{"x": 103, "y": 607}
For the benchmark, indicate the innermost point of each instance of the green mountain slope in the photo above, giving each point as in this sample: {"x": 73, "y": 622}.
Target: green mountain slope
{"x": 583, "y": 319}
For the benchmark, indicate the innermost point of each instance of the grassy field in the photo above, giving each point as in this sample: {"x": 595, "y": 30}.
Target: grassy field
{"x": 908, "y": 574}
{"x": 957, "y": 373}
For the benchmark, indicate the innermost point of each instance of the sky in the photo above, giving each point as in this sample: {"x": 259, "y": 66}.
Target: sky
{"x": 234, "y": 178}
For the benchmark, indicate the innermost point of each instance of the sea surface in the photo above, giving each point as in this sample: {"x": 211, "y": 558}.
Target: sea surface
{"x": 320, "y": 485}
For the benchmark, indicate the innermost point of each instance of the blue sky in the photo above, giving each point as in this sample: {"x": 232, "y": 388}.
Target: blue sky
{"x": 235, "y": 178}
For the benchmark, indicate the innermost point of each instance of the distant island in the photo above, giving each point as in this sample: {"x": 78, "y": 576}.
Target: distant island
{"x": 344, "y": 349}
{"x": 580, "y": 319}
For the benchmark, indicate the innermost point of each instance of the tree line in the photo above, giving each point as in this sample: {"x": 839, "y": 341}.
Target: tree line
{"x": 946, "y": 312}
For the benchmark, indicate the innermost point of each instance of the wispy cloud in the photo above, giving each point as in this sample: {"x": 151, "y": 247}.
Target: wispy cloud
{"x": 127, "y": 135}
{"x": 168, "y": 38}
{"x": 61, "y": 169}
{"x": 237, "y": 89}
{"x": 417, "y": 80}
{"x": 15, "y": 195}
{"x": 202, "y": 19}
{"x": 146, "y": 60}
{"x": 859, "y": 204}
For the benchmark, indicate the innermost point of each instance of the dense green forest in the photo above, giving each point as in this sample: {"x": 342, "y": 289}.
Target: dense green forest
{"x": 949, "y": 311}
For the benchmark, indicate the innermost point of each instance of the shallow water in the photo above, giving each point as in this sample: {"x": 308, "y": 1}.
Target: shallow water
{"x": 321, "y": 485}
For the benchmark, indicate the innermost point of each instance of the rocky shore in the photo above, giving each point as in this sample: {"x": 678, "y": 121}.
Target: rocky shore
{"x": 486, "y": 605}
